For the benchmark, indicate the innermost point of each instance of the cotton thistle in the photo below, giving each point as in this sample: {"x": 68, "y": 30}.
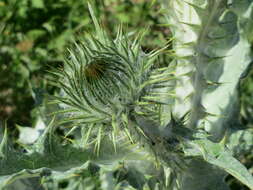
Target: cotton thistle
{"x": 168, "y": 126}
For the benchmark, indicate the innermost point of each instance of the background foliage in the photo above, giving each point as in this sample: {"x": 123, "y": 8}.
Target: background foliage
{"x": 34, "y": 36}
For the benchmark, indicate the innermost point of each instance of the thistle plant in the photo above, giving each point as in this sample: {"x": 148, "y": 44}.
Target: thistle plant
{"x": 138, "y": 125}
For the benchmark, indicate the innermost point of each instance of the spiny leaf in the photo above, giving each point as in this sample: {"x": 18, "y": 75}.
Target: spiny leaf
{"x": 4, "y": 143}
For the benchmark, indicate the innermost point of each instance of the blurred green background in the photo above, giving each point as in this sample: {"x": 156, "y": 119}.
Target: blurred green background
{"x": 35, "y": 34}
